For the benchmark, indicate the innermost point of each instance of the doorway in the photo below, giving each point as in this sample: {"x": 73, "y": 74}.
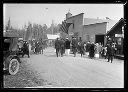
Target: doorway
{"x": 99, "y": 38}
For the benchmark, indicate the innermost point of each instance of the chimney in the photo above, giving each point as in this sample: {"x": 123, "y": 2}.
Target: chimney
{"x": 68, "y": 15}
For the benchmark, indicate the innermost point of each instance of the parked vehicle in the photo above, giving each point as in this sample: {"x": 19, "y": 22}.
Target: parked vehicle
{"x": 11, "y": 60}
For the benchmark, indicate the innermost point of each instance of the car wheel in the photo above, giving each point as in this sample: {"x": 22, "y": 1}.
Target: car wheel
{"x": 13, "y": 66}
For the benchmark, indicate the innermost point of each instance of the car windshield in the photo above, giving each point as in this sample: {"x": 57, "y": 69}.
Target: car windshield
{"x": 10, "y": 44}
{"x": 6, "y": 44}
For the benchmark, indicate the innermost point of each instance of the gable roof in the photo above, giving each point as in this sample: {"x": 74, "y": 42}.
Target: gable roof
{"x": 89, "y": 21}
{"x": 110, "y": 23}
{"x": 120, "y": 22}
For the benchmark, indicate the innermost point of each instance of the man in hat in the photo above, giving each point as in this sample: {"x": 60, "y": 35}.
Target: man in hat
{"x": 57, "y": 46}
{"x": 91, "y": 50}
{"x": 62, "y": 46}
{"x": 25, "y": 49}
{"x": 67, "y": 46}
{"x": 20, "y": 43}
{"x": 110, "y": 52}
{"x": 74, "y": 46}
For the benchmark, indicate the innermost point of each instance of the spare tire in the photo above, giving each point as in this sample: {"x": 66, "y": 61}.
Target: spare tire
{"x": 13, "y": 66}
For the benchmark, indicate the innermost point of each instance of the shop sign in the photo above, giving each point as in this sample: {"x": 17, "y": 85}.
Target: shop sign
{"x": 118, "y": 35}
{"x": 119, "y": 41}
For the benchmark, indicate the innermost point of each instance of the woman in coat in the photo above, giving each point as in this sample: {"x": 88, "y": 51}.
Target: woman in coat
{"x": 92, "y": 50}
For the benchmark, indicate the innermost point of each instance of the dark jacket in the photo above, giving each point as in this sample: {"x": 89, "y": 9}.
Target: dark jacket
{"x": 74, "y": 43}
{"x": 110, "y": 50}
{"x": 61, "y": 43}
{"x": 88, "y": 46}
{"x": 57, "y": 44}
{"x": 67, "y": 44}
{"x": 25, "y": 48}
{"x": 92, "y": 46}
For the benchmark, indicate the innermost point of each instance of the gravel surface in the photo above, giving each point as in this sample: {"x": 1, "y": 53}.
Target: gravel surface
{"x": 69, "y": 71}
{"x": 26, "y": 77}
{"x": 40, "y": 71}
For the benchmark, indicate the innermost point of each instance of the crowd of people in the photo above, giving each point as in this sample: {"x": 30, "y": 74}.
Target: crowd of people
{"x": 91, "y": 49}
{"x": 34, "y": 45}
{"x": 38, "y": 46}
{"x": 73, "y": 46}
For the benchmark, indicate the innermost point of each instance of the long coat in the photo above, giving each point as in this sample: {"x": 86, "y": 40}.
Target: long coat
{"x": 81, "y": 47}
{"x": 61, "y": 42}
{"x": 67, "y": 44}
{"x": 62, "y": 46}
{"x": 91, "y": 50}
{"x": 57, "y": 44}
{"x": 25, "y": 49}
{"x": 74, "y": 43}
{"x": 87, "y": 47}
{"x": 110, "y": 50}
{"x": 74, "y": 46}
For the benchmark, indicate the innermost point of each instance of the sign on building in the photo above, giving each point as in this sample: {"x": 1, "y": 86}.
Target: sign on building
{"x": 118, "y": 35}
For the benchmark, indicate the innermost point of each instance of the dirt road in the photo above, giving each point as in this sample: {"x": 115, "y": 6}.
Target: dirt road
{"x": 69, "y": 71}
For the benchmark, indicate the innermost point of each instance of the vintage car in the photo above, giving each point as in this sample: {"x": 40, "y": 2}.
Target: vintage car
{"x": 11, "y": 60}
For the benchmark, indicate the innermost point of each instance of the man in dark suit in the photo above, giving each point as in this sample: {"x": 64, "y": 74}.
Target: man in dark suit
{"x": 91, "y": 50}
{"x": 57, "y": 46}
{"x": 62, "y": 47}
{"x": 74, "y": 46}
{"x": 25, "y": 49}
{"x": 110, "y": 52}
{"x": 81, "y": 47}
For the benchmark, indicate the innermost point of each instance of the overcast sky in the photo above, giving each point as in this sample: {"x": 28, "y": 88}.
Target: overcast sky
{"x": 44, "y": 13}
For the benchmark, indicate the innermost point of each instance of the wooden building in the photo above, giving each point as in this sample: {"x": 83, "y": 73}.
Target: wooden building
{"x": 116, "y": 34}
{"x": 76, "y": 28}
{"x": 94, "y": 30}
{"x": 88, "y": 29}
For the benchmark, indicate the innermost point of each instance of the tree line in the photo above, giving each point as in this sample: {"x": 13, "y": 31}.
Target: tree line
{"x": 31, "y": 31}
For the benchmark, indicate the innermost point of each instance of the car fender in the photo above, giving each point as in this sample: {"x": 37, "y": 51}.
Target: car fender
{"x": 16, "y": 57}
{"x": 9, "y": 58}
